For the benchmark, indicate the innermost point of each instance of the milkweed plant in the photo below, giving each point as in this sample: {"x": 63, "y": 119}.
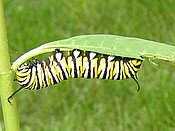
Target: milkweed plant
{"x": 111, "y": 45}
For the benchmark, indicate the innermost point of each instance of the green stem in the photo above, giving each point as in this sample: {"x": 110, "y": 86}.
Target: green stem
{"x": 10, "y": 114}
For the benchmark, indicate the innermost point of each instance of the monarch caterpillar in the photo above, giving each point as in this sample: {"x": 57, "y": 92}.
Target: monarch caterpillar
{"x": 62, "y": 65}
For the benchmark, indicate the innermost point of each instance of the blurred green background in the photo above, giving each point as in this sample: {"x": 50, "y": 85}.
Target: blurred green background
{"x": 81, "y": 104}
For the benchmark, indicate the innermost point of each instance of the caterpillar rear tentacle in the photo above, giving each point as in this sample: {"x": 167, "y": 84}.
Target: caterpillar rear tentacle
{"x": 135, "y": 79}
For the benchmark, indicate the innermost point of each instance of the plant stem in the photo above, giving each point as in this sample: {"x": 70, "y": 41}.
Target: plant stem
{"x": 10, "y": 114}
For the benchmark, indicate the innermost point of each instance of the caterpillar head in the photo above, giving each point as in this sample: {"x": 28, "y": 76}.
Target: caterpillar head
{"x": 24, "y": 66}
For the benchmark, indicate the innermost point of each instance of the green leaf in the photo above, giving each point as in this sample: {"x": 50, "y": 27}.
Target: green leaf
{"x": 106, "y": 44}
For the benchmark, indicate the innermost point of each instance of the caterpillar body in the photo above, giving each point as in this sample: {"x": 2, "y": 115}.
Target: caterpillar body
{"x": 63, "y": 65}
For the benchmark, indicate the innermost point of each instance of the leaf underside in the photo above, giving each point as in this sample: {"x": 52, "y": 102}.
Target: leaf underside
{"x": 106, "y": 44}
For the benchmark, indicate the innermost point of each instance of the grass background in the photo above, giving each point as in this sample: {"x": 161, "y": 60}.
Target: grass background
{"x": 80, "y": 104}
